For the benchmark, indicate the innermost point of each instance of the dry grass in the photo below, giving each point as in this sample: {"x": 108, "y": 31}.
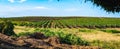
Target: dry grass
{"x": 90, "y": 36}
{"x": 102, "y": 36}
{"x": 19, "y": 29}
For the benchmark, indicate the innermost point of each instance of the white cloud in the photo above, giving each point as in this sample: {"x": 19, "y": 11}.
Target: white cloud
{"x": 11, "y": 1}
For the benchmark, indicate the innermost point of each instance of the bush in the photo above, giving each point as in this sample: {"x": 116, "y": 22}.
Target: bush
{"x": 73, "y": 40}
{"x": 1, "y": 27}
{"x": 7, "y": 27}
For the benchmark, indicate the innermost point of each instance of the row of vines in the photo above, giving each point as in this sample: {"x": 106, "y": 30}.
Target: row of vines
{"x": 67, "y": 22}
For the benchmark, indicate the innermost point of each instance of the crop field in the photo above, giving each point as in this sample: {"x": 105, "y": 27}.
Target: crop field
{"x": 85, "y": 31}
{"x": 67, "y": 22}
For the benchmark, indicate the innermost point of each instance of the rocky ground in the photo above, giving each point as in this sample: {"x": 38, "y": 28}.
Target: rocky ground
{"x": 37, "y": 41}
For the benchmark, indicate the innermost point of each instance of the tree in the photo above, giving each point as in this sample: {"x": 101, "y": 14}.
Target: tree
{"x": 108, "y": 5}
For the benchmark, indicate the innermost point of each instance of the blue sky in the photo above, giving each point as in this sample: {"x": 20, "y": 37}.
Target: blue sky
{"x": 14, "y": 8}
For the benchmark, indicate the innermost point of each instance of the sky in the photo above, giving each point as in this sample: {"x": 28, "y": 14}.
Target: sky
{"x": 17, "y": 8}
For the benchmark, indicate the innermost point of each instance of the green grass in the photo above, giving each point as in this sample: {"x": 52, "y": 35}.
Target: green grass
{"x": 110, "y": 31}
{"x": 23, "y": 34}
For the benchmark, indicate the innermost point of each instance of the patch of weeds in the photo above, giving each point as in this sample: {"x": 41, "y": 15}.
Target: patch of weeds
{"x": 111, "y": 31}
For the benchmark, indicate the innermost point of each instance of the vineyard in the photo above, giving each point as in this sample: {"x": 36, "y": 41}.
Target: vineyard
{"x": 67, "y": 22}
{"x": 83, "y": 31}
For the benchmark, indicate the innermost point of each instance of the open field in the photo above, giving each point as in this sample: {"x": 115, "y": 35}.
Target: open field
{"x": 85, "y": 31}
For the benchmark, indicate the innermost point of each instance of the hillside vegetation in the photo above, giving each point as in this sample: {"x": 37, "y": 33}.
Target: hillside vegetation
{"x": 67, "y": 22}
{"x": 83, "y": 31}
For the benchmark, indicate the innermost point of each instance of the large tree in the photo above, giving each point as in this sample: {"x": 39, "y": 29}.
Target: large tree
{"x": 107, "y": 5}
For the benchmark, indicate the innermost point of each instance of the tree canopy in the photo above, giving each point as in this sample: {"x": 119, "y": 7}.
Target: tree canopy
{"x": 108, "y": 5}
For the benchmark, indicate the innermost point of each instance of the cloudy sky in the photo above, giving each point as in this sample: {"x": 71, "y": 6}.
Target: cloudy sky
{"x": 14, "y": 8}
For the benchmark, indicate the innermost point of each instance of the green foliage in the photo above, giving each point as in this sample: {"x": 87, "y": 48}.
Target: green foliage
{"x": 111, "y": 31}
{"x": 108, "y": 5}
{"x": 1, "y": 26}
{"x": 7, "y": 27}
{"x": 66, "y": 38}
{"x": 73, "y": 40}
{"x": 92, "y": 22}
{"x": 23, "y": 34}
{"x": 68, "y": 22}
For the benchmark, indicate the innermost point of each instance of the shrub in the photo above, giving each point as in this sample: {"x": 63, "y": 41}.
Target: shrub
{"x": 73, "y": 40}
{"x": 7, "y": 27}
{"x": 1, "y": 27}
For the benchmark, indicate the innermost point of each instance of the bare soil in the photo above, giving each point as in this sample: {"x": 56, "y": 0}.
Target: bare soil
{"x": 37, "y": 41}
